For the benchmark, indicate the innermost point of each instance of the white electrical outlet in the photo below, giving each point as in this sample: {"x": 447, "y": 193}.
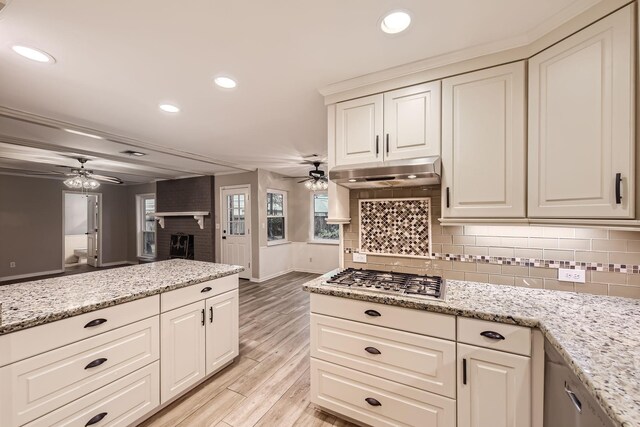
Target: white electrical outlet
{"x": 569, "y": 275}
{"x": 12, "y": 264}
{"x": 357, "y": 257}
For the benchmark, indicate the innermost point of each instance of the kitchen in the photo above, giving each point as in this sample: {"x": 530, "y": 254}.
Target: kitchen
{"x": 456, "y": 244}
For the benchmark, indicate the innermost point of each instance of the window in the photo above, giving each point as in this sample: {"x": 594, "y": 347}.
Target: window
{"x": 146, "y": 207}
{"x": 235, "y": 217}
{"x": 276, "y": 215}
{"x": 320, "y": 212}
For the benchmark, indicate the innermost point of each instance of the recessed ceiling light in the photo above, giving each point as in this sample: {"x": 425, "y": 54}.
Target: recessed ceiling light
{"x": 168, "y": 108}
{"x": 77, "y": 132}
{"x": 33, "y": 54}
{"x": 133, "y": 153}
{"x": 395, "y": 22}
{"x": 412, "y": 177}
{"x": 225, "y": 82}
{"x": 352, "y": 180}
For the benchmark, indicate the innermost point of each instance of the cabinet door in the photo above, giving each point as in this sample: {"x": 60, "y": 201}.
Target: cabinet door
{"x": 483, "y": 143}
{"x": 359, "y": 130}
{"x": 581, "y": 123}
{"x": 222, "y": 330}
{"x": 495, "y": 390}
{"x": 182, "y": 352}
{"x": 412, "y": 122}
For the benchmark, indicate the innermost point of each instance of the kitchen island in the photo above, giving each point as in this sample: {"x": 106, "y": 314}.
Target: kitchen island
{"x": 116, "y": 344}
{"x": 596, "y": 335}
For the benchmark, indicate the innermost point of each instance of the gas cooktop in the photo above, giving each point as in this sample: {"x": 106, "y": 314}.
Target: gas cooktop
{"x": 414, "y": 285}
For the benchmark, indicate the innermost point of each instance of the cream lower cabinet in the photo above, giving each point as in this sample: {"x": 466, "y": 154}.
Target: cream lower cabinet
{"x": 483, "y": 143}
{"x": 197, "y": 340}
{"x": 581, "y": 123}
{"x": 494, "y": 388}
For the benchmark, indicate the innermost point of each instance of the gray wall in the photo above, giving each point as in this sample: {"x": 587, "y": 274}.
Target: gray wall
{"x": 75, "y": 214}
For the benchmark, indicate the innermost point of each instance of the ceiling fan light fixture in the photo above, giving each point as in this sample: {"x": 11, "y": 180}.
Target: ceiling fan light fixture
{"x": 395, "y": 22}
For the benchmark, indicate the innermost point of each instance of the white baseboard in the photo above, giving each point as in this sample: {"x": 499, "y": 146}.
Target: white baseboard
{"x": 109, "y": 264}
{"x": 306, "y": 270}
{"x": 271, "y": 276}
{"x": 24, "y": 276}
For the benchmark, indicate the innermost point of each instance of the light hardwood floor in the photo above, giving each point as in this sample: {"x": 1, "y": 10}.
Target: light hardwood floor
{"x": 268, "y": 384}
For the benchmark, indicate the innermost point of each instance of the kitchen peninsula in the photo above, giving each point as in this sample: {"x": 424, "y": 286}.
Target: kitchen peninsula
{"x": 93, "y": 346}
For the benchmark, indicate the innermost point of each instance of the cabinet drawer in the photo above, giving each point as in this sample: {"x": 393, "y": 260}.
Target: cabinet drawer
{"x": 416, "y": 360}
{"x": 388, "y": 316}
{"x": 201, "y": 291}
{"x": 30, "y": 342}
{"x": 349, "y": 392}
{"x": 123, "y": 402}
{"x": 36, "y": 386}
{"x": 510, "y": 338}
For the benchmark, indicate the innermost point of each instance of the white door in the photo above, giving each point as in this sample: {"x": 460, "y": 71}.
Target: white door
{"x": 182, "y": 349}
{"x": 483, "y": 143}
{"x": 93, "y": 215}
{"x": 581, "y": 123}
{"x": 222, "y": 330}
{"x": 359, "y": 130}
{"x": 495, "y": 390}
{"x": 412, "y": 122}
{"x": 236, "y": 232}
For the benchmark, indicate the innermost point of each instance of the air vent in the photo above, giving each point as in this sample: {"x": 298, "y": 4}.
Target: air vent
{"x": 131, "y": 152}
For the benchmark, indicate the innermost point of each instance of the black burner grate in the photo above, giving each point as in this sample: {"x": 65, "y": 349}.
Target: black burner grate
{"x": 398, "y": 283}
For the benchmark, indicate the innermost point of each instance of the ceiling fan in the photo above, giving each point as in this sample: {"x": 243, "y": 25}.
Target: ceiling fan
{"x": 84, "y": 179}
{"x": 317, "y": 180}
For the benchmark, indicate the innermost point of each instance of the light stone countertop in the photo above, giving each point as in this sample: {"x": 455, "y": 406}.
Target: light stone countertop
{"x": 28, "y": 304}
{"x": 598, "y": 336}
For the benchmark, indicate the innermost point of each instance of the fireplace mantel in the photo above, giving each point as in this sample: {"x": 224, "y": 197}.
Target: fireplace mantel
{"x": 197, "y": 215}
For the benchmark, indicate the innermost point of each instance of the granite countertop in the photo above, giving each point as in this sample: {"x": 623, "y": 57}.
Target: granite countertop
{"x": 598, "y": 336}
{"x": 28, "y": 304}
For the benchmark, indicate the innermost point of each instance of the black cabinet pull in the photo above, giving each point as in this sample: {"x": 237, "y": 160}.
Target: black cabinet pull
{"x": 207, "y": 289}
{"x": 377, "y": 146}
{"x": 373, "y": 402}
{"x": 210, "y": 314}
{"x": 95, "y": 363}
{"x": 372, "y": 313}
{"x": 372, "y": 350}
{"x": 464, "y": 371}
{"x": 618, "y": 189}
{"x": 387, "y": 143}
{"x": 202, "y": 312}
{"x": 447, "y": 195}
{"x": 95, "y": 322}
{"x": 493, "y": 335}
{"x": 96, "y": 419}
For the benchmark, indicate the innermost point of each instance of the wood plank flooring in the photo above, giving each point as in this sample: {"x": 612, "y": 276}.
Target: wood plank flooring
{"x": 268, "y": 384}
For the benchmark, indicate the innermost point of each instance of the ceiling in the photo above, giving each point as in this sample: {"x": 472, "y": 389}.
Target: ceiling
{"x": 117, "y": 60}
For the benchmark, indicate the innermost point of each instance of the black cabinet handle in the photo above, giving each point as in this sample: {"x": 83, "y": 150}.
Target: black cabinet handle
{"x": 95, "y": 363}
{"x": 373, "y": 402}
{"x": 377, "y": 146}
{"x": 464, "y": 371}
{"x": 387, "y": 143}
{"x": 372, "y": 350}
{"x": 447, "y": 195}
{"x": 618, "y": 189}
{"x": 95, "y": 322}
{"x": 210, "y": 314}
{"x": 202, "y": 312}
{"x": 207, "y": 289}
{"x": 372, "y": 313}
{"x": 96, "y": 419}
{"x": 492, "y": 335}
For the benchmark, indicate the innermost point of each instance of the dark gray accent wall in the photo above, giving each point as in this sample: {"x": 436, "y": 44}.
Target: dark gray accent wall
{"x": 186, "y": 195}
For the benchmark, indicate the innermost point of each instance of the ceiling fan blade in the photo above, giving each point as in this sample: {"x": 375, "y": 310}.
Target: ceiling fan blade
{"x": 304, "y": 180}
{"x": 111, "y": 179}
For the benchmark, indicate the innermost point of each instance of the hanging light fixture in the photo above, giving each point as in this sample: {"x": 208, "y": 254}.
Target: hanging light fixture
{"x": 81, "y": 179}
{"x": 317, "y": 179}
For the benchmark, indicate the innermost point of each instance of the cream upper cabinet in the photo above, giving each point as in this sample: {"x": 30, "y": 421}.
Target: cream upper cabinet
{"x": 402, "y": 124}
{"x": 412, "y": 122}
{"x": 581, "y": 123}
{"x": 359, "y": 130}
{"x": 494, "y": 388}
{"x": 483, "y": 143}
{"x": 222, "y": 330}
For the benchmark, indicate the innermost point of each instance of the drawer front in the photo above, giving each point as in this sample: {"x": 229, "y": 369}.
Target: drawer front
{"x": 43, "y": 383}
{"x": 416, "y": 360}
{"x": 122, "y": 402}
{"x": 354, "y": 394}
{"x": 497, "y": 336}
{"x": 389, "y": 316}
{"x": 201, "y": 291}
{"x": 33, "y": 341}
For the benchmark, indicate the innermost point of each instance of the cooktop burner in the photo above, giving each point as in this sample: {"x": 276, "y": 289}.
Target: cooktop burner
{"x": 393, "y": 283}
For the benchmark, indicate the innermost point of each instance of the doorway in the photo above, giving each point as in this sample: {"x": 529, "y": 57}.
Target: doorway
{"x": 235, "y": 227}
{"x": 81, "y": 231}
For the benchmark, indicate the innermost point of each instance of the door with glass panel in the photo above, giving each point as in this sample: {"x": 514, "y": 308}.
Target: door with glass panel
{"x": 236, "y": 221}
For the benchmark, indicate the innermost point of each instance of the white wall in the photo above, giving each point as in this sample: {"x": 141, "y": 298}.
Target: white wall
{"x": 297, "y": 256}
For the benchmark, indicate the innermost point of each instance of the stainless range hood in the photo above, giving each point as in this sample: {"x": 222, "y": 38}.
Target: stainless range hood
{"x": 394, "y": 173}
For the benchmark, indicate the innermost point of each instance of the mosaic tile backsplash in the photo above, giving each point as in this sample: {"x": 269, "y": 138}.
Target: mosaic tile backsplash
{"x": 399, "y": 227}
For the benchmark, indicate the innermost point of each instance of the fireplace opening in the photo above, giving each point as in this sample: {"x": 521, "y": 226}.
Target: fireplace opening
{"x": 181, "y": 246}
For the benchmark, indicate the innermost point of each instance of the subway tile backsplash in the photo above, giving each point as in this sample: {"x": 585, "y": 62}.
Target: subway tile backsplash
{"x": 512, "y": 255}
